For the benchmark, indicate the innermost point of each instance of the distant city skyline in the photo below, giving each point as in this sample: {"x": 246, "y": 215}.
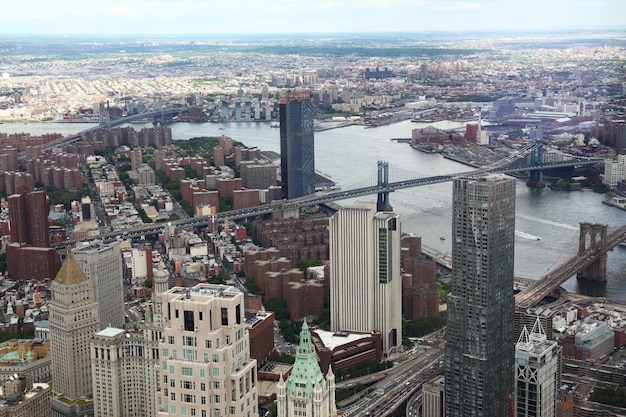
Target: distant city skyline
{"x": 187, "y": 17}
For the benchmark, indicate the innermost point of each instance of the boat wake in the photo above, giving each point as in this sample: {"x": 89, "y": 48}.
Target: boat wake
{"x": 526, "y": 235}
{"x": 548, "y": 222}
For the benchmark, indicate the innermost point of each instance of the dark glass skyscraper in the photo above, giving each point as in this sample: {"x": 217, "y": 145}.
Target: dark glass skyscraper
{"x": 297, "y": 159}
{"x": 480, "y": 345}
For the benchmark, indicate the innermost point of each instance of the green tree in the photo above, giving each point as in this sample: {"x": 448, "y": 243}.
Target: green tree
{"x": 249, "y": 228}
{"x": 366, "y": 367}
{"x": 408, "y": 343}
{"x": 609, "y": 396}
{"x": 303, "y": 264}
{"x": 323, "y": 319}
{"x": 3, "y": 262}
{"x": 124, "y": 168}
{"x": 252, "y": 287}
{"x": 445, "y": 289}
{"x": 142, "y": 214}
{"x": 65, "y": 197}
{"x": 279, "y": 307}
{"x": 189, "y": 172}
{"x": 223, "y": 275}
{"x": 424, "y": 326}
{"x": 226, "y": 203}
{"x": 290, "y": 329}
{"x": 285, "y": 358}
{"x": 185, "y": 206}
{"x": 24, "y": 334}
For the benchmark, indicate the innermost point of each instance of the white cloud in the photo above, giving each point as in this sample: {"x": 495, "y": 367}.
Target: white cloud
{"x": 123, "y": 11}
{"x": 251, "y": 16}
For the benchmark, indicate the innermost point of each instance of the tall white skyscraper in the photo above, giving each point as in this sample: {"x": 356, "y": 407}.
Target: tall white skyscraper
{"x": 365, "y": 287}
{"x": 206, "y": 369}
{"x": 102, "y": 264}
{"x": 537, "y": 373}
{"x": 73, "y": 322}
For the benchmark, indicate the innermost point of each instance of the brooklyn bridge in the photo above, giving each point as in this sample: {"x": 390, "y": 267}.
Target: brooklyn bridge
{"x": 588, "y": 263}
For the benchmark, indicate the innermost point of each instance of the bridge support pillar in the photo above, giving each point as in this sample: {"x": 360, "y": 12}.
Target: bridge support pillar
{"x": 536, "y": 176}
{"x": 286, "y": 213}
{"x": 104, "y": 118}
{"x": 382, "y": 203}
{"x": 593, "y": 236}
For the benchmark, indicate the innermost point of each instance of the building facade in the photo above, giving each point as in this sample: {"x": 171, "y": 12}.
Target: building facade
{"x": 615, "y": 171}
{"x": 30, "y": 262}
{"x": 260, "y": 328}
{"x": 420, "y": 292}
{"x": 258, "y": 174}
{"x": 307, "y": 392}
{"x": 20, "y": 397}
{"x": 297, "y": 158}
{"x": 480, "y": 345}
{"x": 434, "y": 397}
{"x": 102, "y": 264}
{"x": 73, "y": 322}
{"x": 28, "y": 358}
{"x": 537, "y": 373}
{"x": 365, "y": 287}
{"x": 28, "y": 214}
{"x": 125, "y": 371}
{"x": 205, "y": 361}
{"x": 121, "y": 365}
{"x": 341, "y": 350}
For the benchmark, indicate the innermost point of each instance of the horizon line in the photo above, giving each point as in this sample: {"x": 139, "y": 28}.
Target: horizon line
{"x": 342, "y": 33}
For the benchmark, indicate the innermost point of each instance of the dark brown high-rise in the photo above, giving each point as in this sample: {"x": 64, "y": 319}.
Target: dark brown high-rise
{"x": 28, "y": 215}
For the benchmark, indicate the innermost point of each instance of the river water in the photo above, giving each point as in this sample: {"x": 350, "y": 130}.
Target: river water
{"x": 347, "y": 153}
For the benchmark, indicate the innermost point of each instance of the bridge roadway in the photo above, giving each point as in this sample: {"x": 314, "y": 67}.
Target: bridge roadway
{"x": 317, "y": 198}
{"x": 535, "y": 292}
{"x": 324, "y": 197}
{"x": 115, "y": 122}
{"x": 442, "y": 259}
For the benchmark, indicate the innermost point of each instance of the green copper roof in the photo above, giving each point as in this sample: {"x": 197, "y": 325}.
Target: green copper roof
{"x": 306, "y": 374}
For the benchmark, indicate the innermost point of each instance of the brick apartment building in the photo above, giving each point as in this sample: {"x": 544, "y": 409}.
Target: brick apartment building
{"x": 420, "y": 294}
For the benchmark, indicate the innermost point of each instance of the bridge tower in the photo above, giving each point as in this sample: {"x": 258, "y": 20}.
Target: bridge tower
{"x": 104, "y": 117}
{"x": 157, "y": 104}
{"x": 593, "y": 236}
{"x": 536, "y": 158}
{"x": 383, "y": 181}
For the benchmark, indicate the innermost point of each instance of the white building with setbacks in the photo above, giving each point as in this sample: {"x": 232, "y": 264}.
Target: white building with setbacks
{"x": 206, "y": 369}
{"x": 366, "y": 285}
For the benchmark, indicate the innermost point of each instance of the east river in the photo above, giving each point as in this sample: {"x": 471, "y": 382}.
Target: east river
{"x": 346, "y": 153}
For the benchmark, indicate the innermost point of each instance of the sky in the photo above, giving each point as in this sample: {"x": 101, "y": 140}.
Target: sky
{"x": 185, "y": 17}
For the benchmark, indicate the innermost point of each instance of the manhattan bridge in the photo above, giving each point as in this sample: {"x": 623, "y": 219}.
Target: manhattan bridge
{"x": 589, "y": 262}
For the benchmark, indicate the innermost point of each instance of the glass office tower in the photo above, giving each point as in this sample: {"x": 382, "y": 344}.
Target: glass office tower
{"x": 297, "y": 157}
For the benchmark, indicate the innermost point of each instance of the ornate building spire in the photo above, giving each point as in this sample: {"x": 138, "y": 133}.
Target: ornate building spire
{"x": 307, "y": 391}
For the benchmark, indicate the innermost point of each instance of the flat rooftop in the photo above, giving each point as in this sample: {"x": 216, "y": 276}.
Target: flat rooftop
{"x": 333, "y": 340}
